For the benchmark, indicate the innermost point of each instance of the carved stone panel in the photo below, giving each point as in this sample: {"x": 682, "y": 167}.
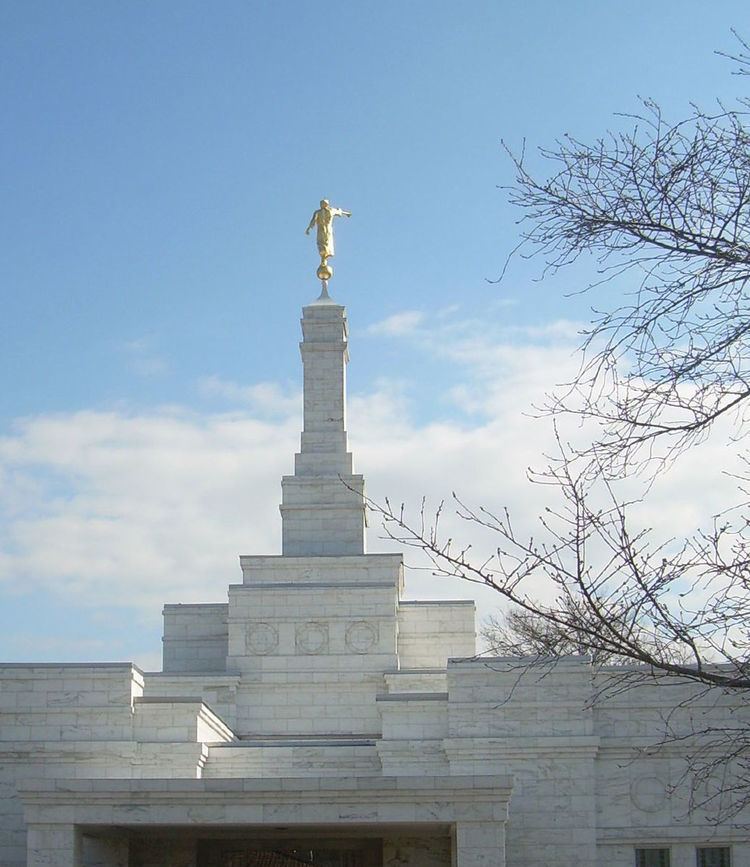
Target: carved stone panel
{"x": 648, "y": 793}
{"x": 262, "y": 638}
{"x": 311, "y": 638}
{"x": 361, "y": 636}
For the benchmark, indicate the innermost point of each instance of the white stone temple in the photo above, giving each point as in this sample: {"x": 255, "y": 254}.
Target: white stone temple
{"x": 316, "y": 717}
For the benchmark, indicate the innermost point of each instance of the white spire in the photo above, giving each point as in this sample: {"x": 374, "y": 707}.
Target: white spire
{"x": 322, "y": 506}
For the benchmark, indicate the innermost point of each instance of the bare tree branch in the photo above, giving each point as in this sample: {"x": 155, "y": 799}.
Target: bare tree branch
{"x": 662, "y": 209}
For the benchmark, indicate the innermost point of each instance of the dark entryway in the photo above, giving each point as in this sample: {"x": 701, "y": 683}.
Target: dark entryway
{"x": 287, "y": 853}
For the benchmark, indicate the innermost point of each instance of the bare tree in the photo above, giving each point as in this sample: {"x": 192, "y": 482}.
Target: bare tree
{"x": 520, "y": 633}
{"x": 663, "y": 208}
{"x": 679, "y": 608}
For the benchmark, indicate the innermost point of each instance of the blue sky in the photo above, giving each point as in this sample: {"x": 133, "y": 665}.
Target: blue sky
{"x": 160, "y": 164}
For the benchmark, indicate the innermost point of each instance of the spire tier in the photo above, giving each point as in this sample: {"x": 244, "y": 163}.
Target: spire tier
{"x": 322, "y": 508}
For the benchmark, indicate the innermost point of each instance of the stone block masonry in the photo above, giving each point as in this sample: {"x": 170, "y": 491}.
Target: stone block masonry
{"x": 315, "y": 705}
{"x": 322, "y": 507}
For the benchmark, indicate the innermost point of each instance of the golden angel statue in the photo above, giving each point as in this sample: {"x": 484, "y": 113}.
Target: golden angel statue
{"x": 322, "y": 219}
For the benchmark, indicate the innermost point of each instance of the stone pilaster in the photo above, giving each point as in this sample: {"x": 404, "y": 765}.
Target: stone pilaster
{"x": 479, "y": 844}
{"x": 53, "y": 845}
{"x": 322, "y": 506}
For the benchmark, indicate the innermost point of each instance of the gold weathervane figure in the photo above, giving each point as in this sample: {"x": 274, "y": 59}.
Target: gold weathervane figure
{"x": 322, "y": 219}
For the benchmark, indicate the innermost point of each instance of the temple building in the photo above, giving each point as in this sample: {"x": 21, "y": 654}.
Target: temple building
{"x": 316, "y": 717}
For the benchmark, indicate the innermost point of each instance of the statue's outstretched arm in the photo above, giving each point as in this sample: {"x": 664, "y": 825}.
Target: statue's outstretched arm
{"x": 340, "y": 212}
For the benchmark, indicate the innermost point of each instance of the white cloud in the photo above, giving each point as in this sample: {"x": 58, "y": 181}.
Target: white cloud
{"x": 135, "y": 509}
{"x": 397, "y": 325}
{"x": 559, "y": 330}
{"x": 143, "y": 358}
{"x": 502, "y": 302}
{"x": 263, "y": 397}
{"x": 138, "y": 509}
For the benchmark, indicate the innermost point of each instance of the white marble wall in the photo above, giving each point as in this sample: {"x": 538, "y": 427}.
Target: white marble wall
{"x": 431, "y": 633}
{"x": 582, "y": 790}
{"x": 317, "y": 695}
{"x": 196, "y": 638}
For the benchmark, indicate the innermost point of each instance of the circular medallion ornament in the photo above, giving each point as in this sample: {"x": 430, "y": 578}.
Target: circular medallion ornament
{"x": 312, "y": 638}
{"x": 648, "y": 794}
{"x": 262, "y": 638}
{"x": 361, "y": 636}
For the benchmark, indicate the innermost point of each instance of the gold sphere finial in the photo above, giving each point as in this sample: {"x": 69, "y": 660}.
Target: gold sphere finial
{"x": 325, "y": 271}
